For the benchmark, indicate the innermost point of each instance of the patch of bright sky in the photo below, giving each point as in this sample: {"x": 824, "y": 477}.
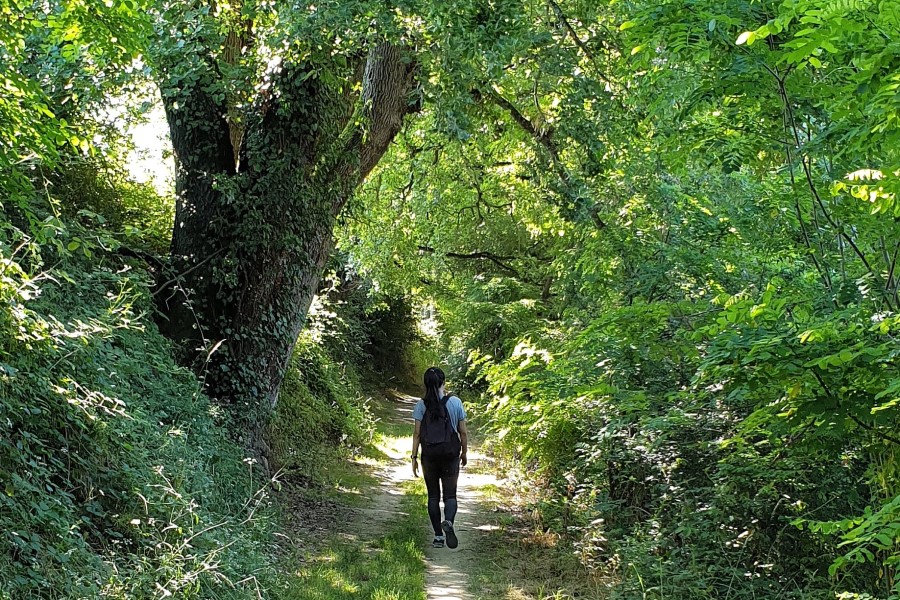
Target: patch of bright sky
{"x": 428, "y": 323}
{"x": 151, "y": 158}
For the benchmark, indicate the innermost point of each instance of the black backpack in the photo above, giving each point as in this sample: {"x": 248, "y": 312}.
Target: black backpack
{"x": 437, "y": 436}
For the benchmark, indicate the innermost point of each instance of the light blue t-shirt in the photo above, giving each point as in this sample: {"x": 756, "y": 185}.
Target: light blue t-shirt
{"x": 454, "y": 409}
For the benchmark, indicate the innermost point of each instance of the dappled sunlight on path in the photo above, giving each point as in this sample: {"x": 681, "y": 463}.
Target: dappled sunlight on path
{"x": 447, "y": 576}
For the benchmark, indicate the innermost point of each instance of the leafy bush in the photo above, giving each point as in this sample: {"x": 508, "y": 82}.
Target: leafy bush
{"x": 719, "y": 439}
{"x": 319, "y": 408}
{"x": 119, "y": 478}
{"x": 106, "y": 201}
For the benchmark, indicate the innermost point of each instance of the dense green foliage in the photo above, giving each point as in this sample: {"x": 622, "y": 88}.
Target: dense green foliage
{"x": 118, "y": 478}
{"x": 660, "y": 237}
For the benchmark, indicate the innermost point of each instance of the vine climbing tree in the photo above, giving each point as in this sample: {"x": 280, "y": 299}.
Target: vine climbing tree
{"x": 273, "y": 127}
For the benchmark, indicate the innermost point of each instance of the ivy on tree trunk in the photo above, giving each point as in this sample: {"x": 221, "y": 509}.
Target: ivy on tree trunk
{"x": 253, "y": 224}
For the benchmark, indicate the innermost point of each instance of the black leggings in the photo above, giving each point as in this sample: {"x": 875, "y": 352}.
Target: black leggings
{"x": 440, "y": 473}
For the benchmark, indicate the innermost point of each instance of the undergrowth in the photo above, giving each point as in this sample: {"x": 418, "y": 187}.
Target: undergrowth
{"x": 119, "y": 478}
{"x": 320, "y": 408}
{"x": 389, "y": 567}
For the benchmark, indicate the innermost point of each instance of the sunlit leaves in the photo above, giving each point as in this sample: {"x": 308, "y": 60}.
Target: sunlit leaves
{"x": 59, "y": 57}
{"x": 748, "y": 37}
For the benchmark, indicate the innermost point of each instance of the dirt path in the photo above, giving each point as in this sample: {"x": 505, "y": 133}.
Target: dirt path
{"x": 447, "y": 570}
{"x": 447, "y": 575}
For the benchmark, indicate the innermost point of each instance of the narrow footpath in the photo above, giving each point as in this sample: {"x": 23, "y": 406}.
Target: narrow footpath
{"x": 365, "y": 533}
{"x": 447, "y": 575}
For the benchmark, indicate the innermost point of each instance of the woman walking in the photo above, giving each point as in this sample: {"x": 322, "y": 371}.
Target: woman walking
{"x": 441, "y": 432}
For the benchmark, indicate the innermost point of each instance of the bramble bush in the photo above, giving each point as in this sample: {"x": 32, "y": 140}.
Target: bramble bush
{"x": 119, "y": 478}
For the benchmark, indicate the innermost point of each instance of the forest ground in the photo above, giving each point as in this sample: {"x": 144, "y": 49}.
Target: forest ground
{"x": 369, "y": 536}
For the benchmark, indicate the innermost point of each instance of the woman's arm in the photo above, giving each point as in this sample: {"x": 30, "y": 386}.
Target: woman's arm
{"x": 415, "y": 449}
{"x": 464, "y": 440}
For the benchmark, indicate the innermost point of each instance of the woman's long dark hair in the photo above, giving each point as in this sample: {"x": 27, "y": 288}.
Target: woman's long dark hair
{"x": 434, "y": 379}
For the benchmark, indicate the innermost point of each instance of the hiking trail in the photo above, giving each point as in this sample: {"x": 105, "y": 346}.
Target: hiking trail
{"x": 447, "y": 571}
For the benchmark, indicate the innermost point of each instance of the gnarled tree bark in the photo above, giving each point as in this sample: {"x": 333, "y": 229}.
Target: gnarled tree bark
{"x": 253, "y": 225}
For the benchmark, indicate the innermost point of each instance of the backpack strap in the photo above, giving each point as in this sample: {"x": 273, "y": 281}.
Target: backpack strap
{"x": 443, "y": 402}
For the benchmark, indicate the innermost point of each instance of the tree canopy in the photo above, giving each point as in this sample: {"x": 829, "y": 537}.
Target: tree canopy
{"x": 658, "y": 241}
{"x": 663, "y": 238}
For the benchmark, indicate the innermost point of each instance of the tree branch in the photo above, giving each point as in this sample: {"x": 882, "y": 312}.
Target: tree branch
{"x": 239, "y": 38}
{"x": 387, "y": 82}
{"x": 489, "y": 256}
{"x": 807, "y": 171}
{"x": 561, "y": 17}
{"x": 870, "y": 428}
{"x": 185, "y": 273}
{"x": 568, "y": 27}
{"x": 853, "y": 417}
{"x": 546, "y": 141}
{"x": 154, "y": 261}
{"x": 542, "y": 137}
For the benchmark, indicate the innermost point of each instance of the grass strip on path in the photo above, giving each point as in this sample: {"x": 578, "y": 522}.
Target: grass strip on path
{"x": 377, "y": 562}
{"x": 389, "y": 567}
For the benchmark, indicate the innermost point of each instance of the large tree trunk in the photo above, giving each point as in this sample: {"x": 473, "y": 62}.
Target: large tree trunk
{"x": 253, "y": 226}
